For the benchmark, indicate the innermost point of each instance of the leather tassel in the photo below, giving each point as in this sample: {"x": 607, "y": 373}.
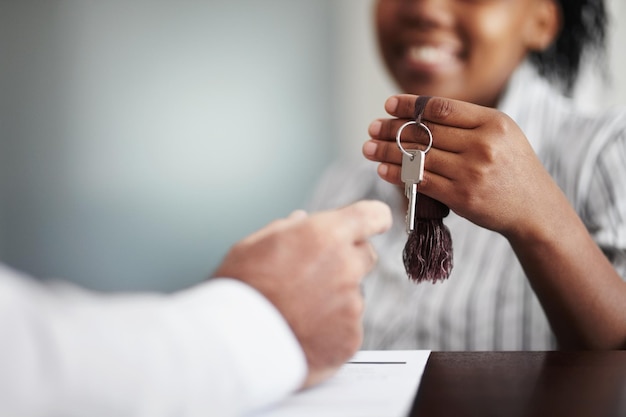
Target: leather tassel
{"x": 427, "y": 255}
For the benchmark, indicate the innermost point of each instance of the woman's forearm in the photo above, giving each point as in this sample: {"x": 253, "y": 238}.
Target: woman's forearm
{"x": 582, "y": 295}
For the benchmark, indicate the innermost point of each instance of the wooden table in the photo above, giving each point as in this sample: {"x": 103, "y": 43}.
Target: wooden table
{"x": 523, "y": 384}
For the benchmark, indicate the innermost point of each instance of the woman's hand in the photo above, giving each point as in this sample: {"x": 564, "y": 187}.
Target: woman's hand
{"x": 480, "y": 164}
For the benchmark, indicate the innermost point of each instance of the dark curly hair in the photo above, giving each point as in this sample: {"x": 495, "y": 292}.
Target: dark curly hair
{"x": 584, "y": 30}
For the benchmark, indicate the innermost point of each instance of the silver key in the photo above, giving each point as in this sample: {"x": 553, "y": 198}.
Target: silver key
{"x": 412, "y": 174}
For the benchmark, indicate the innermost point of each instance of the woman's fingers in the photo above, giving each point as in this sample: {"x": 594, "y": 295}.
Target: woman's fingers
{"x": 440, "y": 110}
{"x": 437, "y": 162}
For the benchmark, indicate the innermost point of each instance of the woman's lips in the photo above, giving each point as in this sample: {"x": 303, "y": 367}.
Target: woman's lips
{"x": 430, "y": 58}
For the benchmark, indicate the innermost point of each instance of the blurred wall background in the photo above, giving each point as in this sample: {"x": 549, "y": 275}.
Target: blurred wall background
{"x": 140, "y": 139}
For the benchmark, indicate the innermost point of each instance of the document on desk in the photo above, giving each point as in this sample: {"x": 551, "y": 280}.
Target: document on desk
{"x": 371, "y": 384}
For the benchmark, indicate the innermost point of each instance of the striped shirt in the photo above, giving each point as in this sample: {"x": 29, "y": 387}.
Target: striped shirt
{"x": 487, "y": 303}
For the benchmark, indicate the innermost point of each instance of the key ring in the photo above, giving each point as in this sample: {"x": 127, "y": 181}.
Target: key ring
{"x": 423, "y": 126}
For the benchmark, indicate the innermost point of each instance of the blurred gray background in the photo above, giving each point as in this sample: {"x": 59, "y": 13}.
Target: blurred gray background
{"x": 140, "y": 139}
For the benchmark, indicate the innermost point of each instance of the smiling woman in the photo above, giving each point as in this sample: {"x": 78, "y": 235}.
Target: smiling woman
{"x": 135, "y": 134}
{"x": 534, "y": 180}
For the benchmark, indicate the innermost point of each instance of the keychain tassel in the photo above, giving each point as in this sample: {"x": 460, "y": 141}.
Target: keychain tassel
{"x": 427, "y": 255}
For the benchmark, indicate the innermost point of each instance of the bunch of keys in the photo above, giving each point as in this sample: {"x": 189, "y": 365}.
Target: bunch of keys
{"x": 412, "y": 172}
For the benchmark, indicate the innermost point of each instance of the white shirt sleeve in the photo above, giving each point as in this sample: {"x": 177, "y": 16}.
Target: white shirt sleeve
{"x": 219, "y": 349}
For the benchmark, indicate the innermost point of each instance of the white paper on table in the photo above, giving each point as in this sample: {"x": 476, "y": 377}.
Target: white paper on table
{"x": 371, "y": 384}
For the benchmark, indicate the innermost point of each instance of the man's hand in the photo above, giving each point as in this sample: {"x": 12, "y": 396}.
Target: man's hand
{"x": 310, "y": 268}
